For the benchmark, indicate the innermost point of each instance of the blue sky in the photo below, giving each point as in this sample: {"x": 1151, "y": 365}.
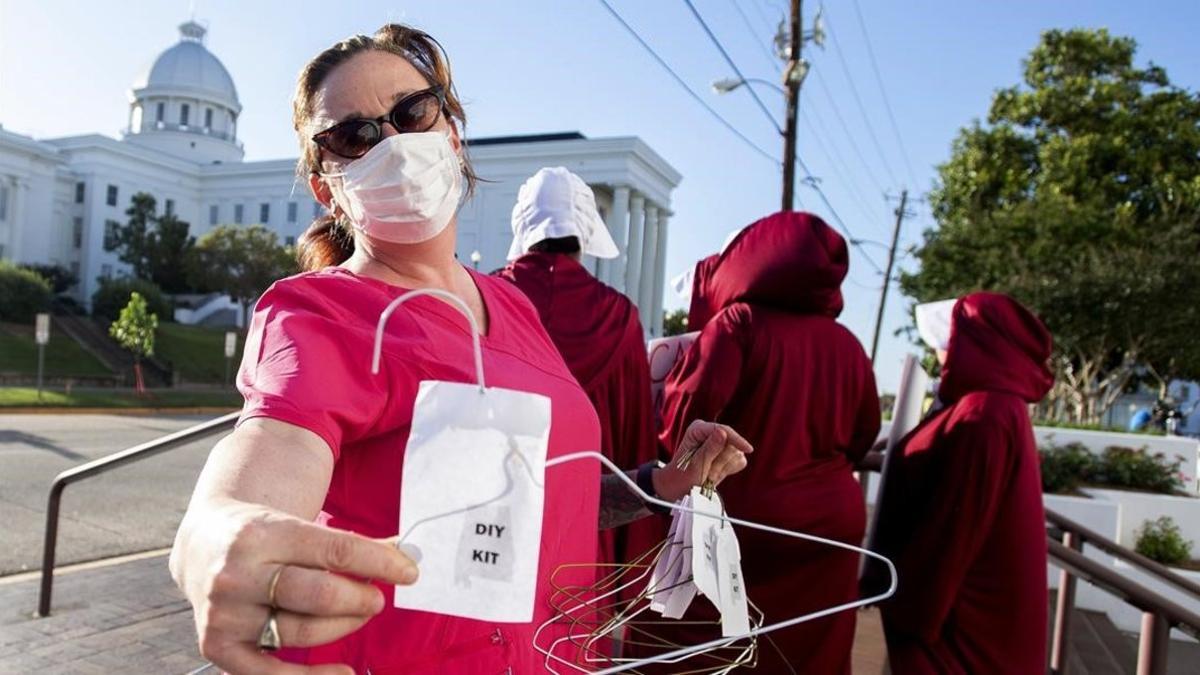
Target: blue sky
{"x": 527, "y": 66}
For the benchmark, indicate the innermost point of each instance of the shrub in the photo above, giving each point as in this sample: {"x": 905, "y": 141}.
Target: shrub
{"x": 1064, "y": 467}
{"x": 60, "y": 278}
{"x": 114, "y": 294}
{"x": 1137, "y": 470}
{"x": 23, "y": 293}
{"x": 1161, "y": 541}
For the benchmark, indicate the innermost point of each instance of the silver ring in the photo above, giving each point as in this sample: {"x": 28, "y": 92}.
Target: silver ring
{"x": 268, "y": 637}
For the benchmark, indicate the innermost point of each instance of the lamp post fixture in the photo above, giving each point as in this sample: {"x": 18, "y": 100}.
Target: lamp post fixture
{"x": 476, "y": 257}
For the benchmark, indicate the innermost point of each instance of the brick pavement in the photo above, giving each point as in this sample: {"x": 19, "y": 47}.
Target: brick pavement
{"x": 122, "y": 618}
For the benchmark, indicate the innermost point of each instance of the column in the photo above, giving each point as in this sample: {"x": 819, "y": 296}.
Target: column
{"x": 660, "y": 275}
{"x": 16, "y": 218}
{"x": 646, "y": 278}
{"x": 633, "y": 260}
{"x": 612, "y": 272}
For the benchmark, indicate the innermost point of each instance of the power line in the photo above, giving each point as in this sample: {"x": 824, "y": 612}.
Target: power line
{"x": 811, "y": 182}
{"x": 691, "y": 92}
{"x": 728, "y": 59}
{"x": 862, "y": 109}
{"x": 754, "y": 36}
{"x": 859, "y": 200}
{"x": 883, "y": 92}
{"x": 846, "y": 130}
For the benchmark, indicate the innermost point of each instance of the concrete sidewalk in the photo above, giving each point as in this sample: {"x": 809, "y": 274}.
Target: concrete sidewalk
{"x": 126, "y": 617}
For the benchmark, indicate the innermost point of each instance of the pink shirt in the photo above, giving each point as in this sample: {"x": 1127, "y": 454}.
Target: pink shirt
{"x": 307, "y": 362}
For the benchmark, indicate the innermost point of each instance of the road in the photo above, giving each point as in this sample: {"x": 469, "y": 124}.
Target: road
{"x": 133, "y": 508}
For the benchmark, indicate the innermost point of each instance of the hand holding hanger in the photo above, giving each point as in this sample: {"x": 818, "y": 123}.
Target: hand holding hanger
{"x": 708, "y": 453}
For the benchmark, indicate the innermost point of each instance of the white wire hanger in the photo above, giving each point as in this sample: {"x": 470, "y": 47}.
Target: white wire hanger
{"x": 682, "y": 653}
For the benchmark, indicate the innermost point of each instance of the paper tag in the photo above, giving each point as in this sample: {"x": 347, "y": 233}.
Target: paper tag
{"x": 735, "y": 615}
{"x": 706, "y": 523}
{"x": 671, "y": 588}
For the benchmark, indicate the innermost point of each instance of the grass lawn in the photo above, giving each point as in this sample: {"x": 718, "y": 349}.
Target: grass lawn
{"x": 118, "y": 398}
{"x": 64, "y": 356}
{"x": 197, "y": 352}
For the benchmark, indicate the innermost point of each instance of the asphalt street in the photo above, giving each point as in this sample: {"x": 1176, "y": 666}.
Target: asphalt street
{"x": 133, "y": 508}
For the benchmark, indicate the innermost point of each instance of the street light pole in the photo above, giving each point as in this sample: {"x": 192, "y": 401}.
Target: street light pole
{"x": 887, "y": 276}
{"x": 791, "y": 82}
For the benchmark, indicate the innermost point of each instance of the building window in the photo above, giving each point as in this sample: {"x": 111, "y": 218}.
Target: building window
{"x": 111, "y": 197}
{"x": 291, "y": 212}
{"x": 183, "y": 114}
{"x": 77, "y": 232}
{"x": 214, "y": 214}
{"x": 160, "y": 112}
{"x": 264, "y": 213}
{"x": 106, "y": 271}
{"x": 289, "y": 241}
{"x": 3, "y": 202}
{"x": 169, "y": 208}
{"x": 208, "y": 118}
{"x": 1, "y": 251}
{"x": 238, "y": 213}
{"x": 75, "y": 269}
{"x": 110, "y": 234}
{"x": 79, "y": 193}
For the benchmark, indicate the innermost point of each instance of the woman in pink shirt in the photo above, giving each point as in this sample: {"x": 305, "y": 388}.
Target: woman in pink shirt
{"x": 280, "y": 545}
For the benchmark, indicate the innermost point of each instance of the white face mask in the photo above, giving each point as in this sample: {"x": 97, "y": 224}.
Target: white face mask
{"x": 405, "y": 190}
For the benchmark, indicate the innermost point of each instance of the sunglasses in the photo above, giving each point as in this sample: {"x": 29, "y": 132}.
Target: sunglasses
{"x": 414, "y": 113}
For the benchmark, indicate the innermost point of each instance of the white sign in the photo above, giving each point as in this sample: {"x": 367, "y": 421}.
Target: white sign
{"x": 42, "y": 329}
{"x": 664, "y": 353}
{"x": 230, "y": 344}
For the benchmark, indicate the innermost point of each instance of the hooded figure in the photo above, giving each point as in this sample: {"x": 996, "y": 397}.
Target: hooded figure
{"x": 595, "y": 328}
{"x": 962, "y": 518}
{"x": 773, "y": 362}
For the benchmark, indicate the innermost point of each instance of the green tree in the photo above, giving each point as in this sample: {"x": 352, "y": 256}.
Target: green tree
{"x": 155, "y": 246}
{"x": 23, "y": 293}
{"x": 1081, "y": 198}
{"x": 675, "y": 323}
{"x": 240, "y": 262}
{"x": 134, "y": 331}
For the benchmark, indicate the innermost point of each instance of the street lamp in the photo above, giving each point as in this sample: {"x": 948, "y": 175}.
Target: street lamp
{"x": 476, "y": 256}
{"x": 730, "y": 83}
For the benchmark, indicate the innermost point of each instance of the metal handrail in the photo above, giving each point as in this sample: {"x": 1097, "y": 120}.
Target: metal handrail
{"x": 103, "y": 465}
{"x": 1089, "y": 536}
{"x": 1104, "y": 577}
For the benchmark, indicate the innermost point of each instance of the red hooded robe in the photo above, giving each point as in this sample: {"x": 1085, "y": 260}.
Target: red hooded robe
{"x": 597, "y": 331}
{"x": 774, "y": 364}
{"x": 962, "y": 518}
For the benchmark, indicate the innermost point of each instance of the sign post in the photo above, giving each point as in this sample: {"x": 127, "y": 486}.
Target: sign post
{"x": 230, "y": 350}
{"x": 41, "y": 334}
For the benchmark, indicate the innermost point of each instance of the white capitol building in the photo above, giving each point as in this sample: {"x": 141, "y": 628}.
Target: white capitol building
{"x": 59, "y": 196}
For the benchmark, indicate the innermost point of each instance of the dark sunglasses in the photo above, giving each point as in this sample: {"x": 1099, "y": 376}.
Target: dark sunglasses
{"x": 414, "y": 113}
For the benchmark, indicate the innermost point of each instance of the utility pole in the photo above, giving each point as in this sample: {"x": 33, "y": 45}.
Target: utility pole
{"x": 791, "y": 81}
{"x": 887, "y": 276}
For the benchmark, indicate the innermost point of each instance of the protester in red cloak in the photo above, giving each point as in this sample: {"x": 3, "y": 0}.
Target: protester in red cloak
{"x": 701, "y": 309}
{"x": 962, "y": 518}
{"x": 595, "y": 328}
{"x": 775, "y": 364}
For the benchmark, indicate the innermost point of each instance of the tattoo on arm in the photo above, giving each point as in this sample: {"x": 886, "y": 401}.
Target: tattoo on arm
{"x": 618, "y": 504}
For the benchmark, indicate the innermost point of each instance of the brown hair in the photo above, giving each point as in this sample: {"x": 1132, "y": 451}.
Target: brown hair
{"x": 330, "y": 241}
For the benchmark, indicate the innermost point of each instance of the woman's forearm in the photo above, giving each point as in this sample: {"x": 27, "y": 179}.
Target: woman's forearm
{"x": 619, "y": 504}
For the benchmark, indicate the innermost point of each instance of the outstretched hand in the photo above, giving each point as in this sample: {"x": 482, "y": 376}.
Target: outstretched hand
{"x": 708, "y": 453}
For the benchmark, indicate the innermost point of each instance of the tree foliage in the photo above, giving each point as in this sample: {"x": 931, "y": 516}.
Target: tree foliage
{"x": 60, "y": 278}
{"x": 240, "y": 262}
{"x": 1080, "y": 196}
{"x": 134, "y": 328}
{"x": 23, "y": 293}
{"x": 155, "y": 246}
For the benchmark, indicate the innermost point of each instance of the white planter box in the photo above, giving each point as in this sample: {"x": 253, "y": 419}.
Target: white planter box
{"x": 1102, "y": 516}
{"x": 1172, "y": 447}
{"x": 1137, "y": 507}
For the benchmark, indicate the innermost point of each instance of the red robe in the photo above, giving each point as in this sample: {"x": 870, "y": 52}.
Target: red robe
{"x": 962, "y": 518}
{"x": 596, "y": 329}
{"x": 774, "y": 364}
{"x": 701, "y": 310}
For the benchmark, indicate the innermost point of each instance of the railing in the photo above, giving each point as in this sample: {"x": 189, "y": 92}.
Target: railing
{"x": 1159, "y": 614}
{"x": 103, "y": 465}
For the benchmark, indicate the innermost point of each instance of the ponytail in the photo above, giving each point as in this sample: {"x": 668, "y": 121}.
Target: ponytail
{"x": 325, "y": 243}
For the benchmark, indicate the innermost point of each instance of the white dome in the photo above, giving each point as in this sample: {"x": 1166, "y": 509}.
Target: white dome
{"x": 189, "y": 66}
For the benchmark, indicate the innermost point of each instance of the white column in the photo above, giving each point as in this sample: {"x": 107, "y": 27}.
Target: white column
{"x": 612, "y": 272}
{"x": 646, "y": 279}
{"x": 16, "y": 218}
{"x": 633, "y": 260}
{"x": 660, "y": 274}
